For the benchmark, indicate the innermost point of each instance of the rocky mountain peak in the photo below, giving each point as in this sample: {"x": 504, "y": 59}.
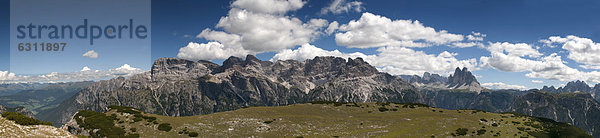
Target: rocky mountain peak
{"x": 174, "y": 68}
{"x": 462, "y": 78}
{"x": 573, "y": 86}
{"x": 252, "y": 58}
{"x": 231, "y": 61}
{"x": 577, "y": 86}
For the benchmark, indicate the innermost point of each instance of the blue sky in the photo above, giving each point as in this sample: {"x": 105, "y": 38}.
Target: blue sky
{"x": 177, "y": 23}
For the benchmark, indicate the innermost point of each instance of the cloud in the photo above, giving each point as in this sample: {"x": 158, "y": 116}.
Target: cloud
{"x": 467, "y": 44}
{"x": 91, "y": 54}
{"x": 5, "y": 75}
{"x": 85, "y": 69}
{"x": 377, "y": 31}
{"x": 269, "y": 6}
{"x": 581, "y": 50}
{"x": 254, "y": 27}
{"x": 508, "y": 57}
{"x": 394, "y": 60}
{"x": 341, "y": 6}
{"x": 500, "y": 85}
{"x": 476, "y": 36}
{"x": 86, "y": 74}
{"x": 209, "y": 51}
{"x": 400, "y": 60}
{"x": 519, "y": 49}
{"x": 550, "y": 67}
{"x": 265, "y": 33}
{"x": 333, "y": 26}
{"x": 308, "y": 51}
{"x": 126, "y": 67}
{"x": 537, "y": 81}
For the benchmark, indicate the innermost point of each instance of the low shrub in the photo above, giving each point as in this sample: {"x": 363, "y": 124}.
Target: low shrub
{"x": 165, "y": 127}
{"x": 95, "y": 120}
{"x": 23, "y": 119}
{"x": 461, "y": 131}
{"x": 383, "y": 109}
{"x": 481, "y": 131}
{"x": 193, "y": 134}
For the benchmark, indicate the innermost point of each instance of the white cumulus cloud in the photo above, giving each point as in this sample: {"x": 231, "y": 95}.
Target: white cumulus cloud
{"x": 308, "y": 51}
{"x": 394, "y": 60}
{"x": 90, "y": 54}
{"x": 342, "y": 6}
{"x": 500, "y": 85}
{"x": 269, "y": 6}
{"x": 333, "y": 26}
{"x": 377, "y": 31}
{"x": 400, "y": 60}
{"x": 265, "y": 32}
{"x": 85, "y": 69}
{"x": 209, "y": 51}
{"x": 537, "y": 81}
{"x": 476, "y": 36}
{"x": 5, "y": 75}
{"x": 254, "y": 27}
{"x": 507, "y": 57}
{"x": 581, "y": 50}
{"x": 519, "y": 49}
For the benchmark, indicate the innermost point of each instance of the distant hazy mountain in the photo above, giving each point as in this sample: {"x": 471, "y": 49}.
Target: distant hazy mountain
{"x": 12, "y": 88}
{"x": 21, "y": 110}
{"x": 178, "y": 87}
{"x": 575, "y": 86}
{"x": 43, "y": 98}
{"x": 461, "y": 79}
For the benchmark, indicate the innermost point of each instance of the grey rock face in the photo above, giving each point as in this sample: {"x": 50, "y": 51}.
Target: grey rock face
{"x": 177, "y": 87}
{"x": 578, "y": 109}
{"x": 596, "y": 92}
{"x": 573, "y": 86}
{"x": 461, "y": 79}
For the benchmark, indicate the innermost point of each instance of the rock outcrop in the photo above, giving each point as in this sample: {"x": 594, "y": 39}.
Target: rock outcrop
{"x": 573, "y": 86}
{"x": 461, "y": 79}
{"x": 11, "y": 129}
{"x": 578, "y": 109}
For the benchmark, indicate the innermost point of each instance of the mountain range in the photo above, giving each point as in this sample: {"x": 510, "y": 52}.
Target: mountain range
{"x": 12, "y": 88}
{"x": 461, "y": 79}
{"x": 43, "y": 97}
{"x": 575, "y": 86}
{"x": 178, "y": 87}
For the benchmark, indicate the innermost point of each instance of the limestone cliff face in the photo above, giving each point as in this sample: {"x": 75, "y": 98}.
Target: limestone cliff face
{"x": 461, "y": 79}
{"x": 578, "y": 109}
